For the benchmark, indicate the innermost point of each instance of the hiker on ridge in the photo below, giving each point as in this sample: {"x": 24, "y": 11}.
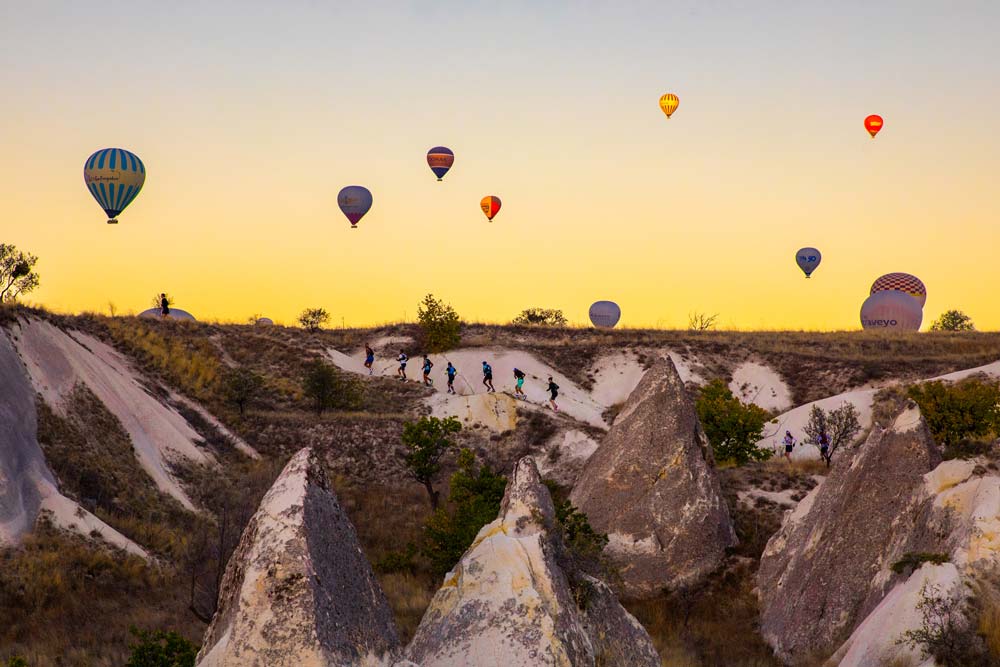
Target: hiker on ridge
{"x": 428, "y": 365}
{"x": 488, "y": 377}
{"x": 402, "y": 359}
{"x": 369, "y": 359}
{"x": 164, "y": 305}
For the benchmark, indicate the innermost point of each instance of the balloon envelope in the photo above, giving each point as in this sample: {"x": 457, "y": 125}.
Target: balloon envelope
{"x": 264, "y": 321}
{"x": 874, "y": 124}
{"x": 902, "y": 282}
{"x": 808, "y": 260}
{"x": 891, "y": 311}
{"x": 605, "y": 314}
{"x": 175, "y": 314}
{"x": 354, "y": 201}
{"x": 114, "y": 177}
{"x": 669, "y": 104}
{"x": 490, "y": 205}
{"x": 440, "y": 159}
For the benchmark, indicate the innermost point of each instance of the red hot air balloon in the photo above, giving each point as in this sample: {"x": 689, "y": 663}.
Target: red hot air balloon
{"x": 873, "y": 124}
{"x": 490, "y": 206}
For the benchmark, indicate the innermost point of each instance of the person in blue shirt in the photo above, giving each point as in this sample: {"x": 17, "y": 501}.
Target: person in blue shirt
{"x": 519, "y": 383}
{"x": 451, "y": 371}
{"x": 369, "y": 358}
{"x": 488, "y": 377}
{"x": 428, "y": 365}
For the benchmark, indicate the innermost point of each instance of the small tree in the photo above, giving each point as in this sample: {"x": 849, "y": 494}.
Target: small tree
{"x": 161, "y": 649}
{"x": 702, "y": 321}
{"x": 946, "y": 632}
{"x": 241, "y": 385}
{"x": 954, "y": 412}
{"x": 733, "y": 428}
{"x": 953, "y": 320}
{"x": 17, "y": 273}
{"x": 426, "y": 441}
{"x": 327, "y": 389}
{"x": 542, "y": 317}
{"x": 439, "y": 323}
{"x": 314, "y": 318}
{"x": 841, "y": 426}
{"x": 157, "y": 299}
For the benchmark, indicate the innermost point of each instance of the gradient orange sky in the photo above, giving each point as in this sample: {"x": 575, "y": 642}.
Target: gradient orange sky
{"x": 251, "y": 116}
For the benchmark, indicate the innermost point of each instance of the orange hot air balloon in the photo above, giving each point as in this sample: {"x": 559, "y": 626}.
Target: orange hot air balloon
{"x": 873, "y": 124}
{"x": 490, "y": 206}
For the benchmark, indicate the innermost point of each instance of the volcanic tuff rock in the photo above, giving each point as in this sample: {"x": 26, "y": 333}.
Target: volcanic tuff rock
{"x": 830, "y": 563}
{"x": 298, "y": 590}
{"x": 652, "y": 488}
{"x": 508, "y": 602}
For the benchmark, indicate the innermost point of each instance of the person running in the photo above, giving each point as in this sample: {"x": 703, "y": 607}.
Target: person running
{"x": 402, "y": 359}
{"x": 428, "y": 365}
{"x": 789, "y": 442}
{"x": 824, "y": 447}
{"x": 519, "y": 383}
{"x": 488, "y": 377}
{"x": 369, "y": 359}
{"x": 553, "y": 393}
{"x": 451, "y": 371}
{"x": 164, "y": 306}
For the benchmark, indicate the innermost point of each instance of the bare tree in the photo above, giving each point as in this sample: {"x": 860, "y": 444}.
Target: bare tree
{"x": 840, "y": 427}
{"x": 702, "y": 321}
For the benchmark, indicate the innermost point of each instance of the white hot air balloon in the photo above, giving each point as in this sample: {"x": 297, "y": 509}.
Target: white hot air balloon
{"x": 605, "y": 314}
{"x": 808, "y": 260}
{"x": 891, "y": 311}
{"x": 264, "y": 322}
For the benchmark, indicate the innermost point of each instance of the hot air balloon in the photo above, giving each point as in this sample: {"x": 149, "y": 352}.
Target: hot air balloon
{"x": 669, "y": 104}
{"x": 902, "y": 282}
{"x": 808, "y": 260}
{"x": 114, "y": 177}
{"x": 605, "y": 314}
{"x": 354, "y": 201}
{"x": 490, "y": 205}
{"x": 440, "y": 159}
{"x": 891, "y": 311}
{"x": 873, "y": 124}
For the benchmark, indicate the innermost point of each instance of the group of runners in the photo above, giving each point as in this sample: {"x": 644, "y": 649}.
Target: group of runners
{"x": 823, "y": 441}
{"x": 451, "y": 372}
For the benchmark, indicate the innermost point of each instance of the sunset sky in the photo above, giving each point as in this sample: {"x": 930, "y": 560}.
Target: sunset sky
{"x": 250, "y": 117}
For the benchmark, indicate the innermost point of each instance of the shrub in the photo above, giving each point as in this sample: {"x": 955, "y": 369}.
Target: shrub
{"x": 946, "y": 632}
{"x": 955, "y": 412}
{"x": 314, "y": 318}
{"x": 733, "y": 428}
{"x": 17, "y": 661}
{"x": 161, "y": 649}
{"x": 841, "y": 426}
{"x": 240, "y": 386}
{"x": 17, "y": 274}
{"x": 543, "y": 317}
{"x": 426, "y": 441}
{"x": 476, "y": 493}
{"x": 913, "y": 560}
{"x": 953, "y": 320}
{"x": 327, "y": 388}
{"x": 439, "y": 324}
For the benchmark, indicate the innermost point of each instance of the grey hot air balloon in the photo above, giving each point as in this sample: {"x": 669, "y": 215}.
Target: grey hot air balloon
{"x": 808, "y": 260}
{"x": 605, "y": 314}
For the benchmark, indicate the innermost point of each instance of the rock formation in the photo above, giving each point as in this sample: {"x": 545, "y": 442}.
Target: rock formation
{"x": 830, "y": 564}
{"x": 652, "y": 488}
{"x": 298, "y": 591}
{"x": 508, "y": 602}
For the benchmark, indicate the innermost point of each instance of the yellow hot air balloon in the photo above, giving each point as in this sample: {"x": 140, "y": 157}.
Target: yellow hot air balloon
{"x": 669, "y": 104}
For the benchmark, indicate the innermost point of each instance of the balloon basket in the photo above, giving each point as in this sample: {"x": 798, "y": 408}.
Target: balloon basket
{"x": 113, "y": 221}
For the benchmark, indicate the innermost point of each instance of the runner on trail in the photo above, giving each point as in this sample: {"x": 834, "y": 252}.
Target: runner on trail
{"x": 789, "y": 445}
{"x": 519, "y": 383}
{"x": 488, "y": 377}
{"x": 553, "y": 393}
{"x": 428, "y": 365}
{"x": 164, "y": 305}
{"x": 369, "y": 358}
{"x": 824, "y": 447}
{"x": 451, "y": 371}
{"x": 402, "y": 359}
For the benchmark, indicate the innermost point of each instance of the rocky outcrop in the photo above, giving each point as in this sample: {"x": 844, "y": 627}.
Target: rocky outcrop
{"x": 298, "y": 591}
{"x": 829, "y": 565}
{"x": 652, "y": 488}
{"x": 509, "y": 602}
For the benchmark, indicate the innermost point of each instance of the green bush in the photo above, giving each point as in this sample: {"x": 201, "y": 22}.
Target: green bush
{"x": 733, "y": 428}
{"x": 953, "y": 320}
{"x": 439, "y": 324}
{"x": 240, "y": 386}
{"x": 426, "y": 441}
{"x": 17, "y": 661}
{"x": 161, "y": 649}
{"x": 541, "y": 317}
{"x": 327, "y": 388}
{"x": 475, "y": 496}
{"x": 313, "y": 318}
{"x": 955, "y": 412}
{"x": 913, "y": 560}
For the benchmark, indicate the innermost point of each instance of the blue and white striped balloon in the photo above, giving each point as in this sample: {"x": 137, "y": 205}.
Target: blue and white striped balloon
{"x": 114, "y": 177}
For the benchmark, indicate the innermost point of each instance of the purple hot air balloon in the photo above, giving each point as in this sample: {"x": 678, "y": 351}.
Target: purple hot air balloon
{"x": 355, "y": 201}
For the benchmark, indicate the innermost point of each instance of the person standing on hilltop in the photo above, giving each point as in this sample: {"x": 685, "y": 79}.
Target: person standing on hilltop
{"x": 369, "y": 359}
{"x": 402, "y": 359}
{"x": 428, "y": 365}
{"x": 789, "y": 442}
{"x": 488, "y": 377}
{"x": 519, "y": 383}
{"x": 164, "y": 305}
{"x": 553, "y": 393}
{"x": 451, "y": 371}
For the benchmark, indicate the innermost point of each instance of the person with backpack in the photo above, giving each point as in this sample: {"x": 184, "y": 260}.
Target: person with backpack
{"x": 451, "y": 371}
{"x": 553, "y": 393}
{"x": 488, "y": 377}
{"x": 789, "y": 442}
{"x": 519, "y": 384}
{"x": 402, "y": 359}
{"x": 369, "y": 359}
{"x": 427, "y": 371}
{"x": 164, "y": 306}
{"x": 824, "y": 447}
